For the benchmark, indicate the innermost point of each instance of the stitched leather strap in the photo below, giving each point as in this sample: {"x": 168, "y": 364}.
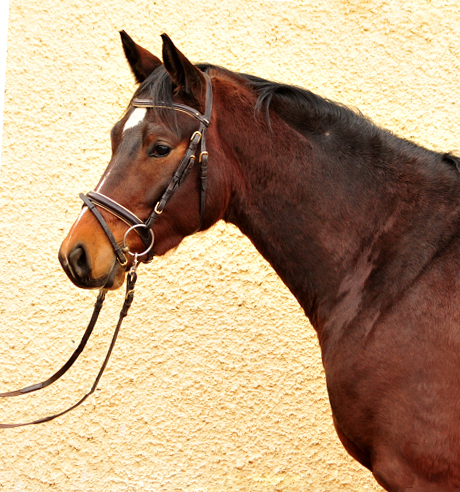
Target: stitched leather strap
{"x": 93, "y": 199}
{"x": 120, "y": 212}
{"x": 148, "y": 103}
{"x": 185, "y": 164}
{"x": 116, "y": 247}
{"x": 130, "y": 283}
{"x": 73, "y": 358}
{"x": 179, "y": 175}
{"x": 114, "y": 208}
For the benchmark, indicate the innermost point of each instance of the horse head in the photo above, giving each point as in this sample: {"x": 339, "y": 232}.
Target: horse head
{"x": 153, "y": 151}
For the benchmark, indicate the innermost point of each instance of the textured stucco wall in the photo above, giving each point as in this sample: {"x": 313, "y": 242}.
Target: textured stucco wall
{"x": 216, "y": 382}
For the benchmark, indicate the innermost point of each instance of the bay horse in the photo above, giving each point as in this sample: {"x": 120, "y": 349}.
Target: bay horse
{"x": 361, "y": 225}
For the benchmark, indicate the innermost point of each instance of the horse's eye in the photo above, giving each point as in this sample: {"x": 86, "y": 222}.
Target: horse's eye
{"x": 159, "y": 151}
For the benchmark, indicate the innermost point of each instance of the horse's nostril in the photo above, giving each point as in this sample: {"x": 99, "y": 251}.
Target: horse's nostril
{"x": 79, "y": 262}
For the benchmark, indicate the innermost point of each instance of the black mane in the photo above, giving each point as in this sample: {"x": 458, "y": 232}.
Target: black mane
{"x": 309, "y": 113}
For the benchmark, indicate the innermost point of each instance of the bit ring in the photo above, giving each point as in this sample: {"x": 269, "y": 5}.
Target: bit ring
{"x": 151, "y": 241}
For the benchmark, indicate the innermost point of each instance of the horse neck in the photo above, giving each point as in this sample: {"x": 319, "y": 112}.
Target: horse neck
{"x": 339, "y": 233}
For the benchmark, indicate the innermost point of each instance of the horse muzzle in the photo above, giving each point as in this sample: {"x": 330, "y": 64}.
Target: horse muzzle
{"x": 88, "y": 258}
{"x": 77, "y": 266}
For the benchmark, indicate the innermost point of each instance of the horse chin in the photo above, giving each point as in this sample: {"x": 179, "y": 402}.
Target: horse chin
{"x": 112, "y": 281}
{"x": 116, "y": 278}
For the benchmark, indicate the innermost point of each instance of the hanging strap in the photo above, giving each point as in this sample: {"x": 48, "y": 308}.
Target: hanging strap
{"x": 73, "y": 358}
{"x": 130, "y": 283}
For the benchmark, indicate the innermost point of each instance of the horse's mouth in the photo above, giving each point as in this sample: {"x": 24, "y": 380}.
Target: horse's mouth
{"x": 112, "y": 281}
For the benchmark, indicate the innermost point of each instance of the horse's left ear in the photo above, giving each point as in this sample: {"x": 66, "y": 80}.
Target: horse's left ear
{"x": 187, "y": 79}
{"x": 141, "y": 61}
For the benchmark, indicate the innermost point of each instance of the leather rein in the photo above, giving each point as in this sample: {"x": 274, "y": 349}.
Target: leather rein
{"x": 144, "y": 229}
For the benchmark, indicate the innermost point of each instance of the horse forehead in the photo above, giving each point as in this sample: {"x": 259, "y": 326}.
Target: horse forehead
{"x": 135, "y": 118}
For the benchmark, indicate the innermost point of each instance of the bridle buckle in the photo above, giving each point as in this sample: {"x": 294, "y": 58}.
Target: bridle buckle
{"x": 196, "y": 134}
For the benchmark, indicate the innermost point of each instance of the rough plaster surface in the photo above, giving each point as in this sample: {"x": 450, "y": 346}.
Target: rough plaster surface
{"x": 216, "y": 381}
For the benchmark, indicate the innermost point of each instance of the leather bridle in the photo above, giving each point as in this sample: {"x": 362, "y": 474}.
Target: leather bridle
{"x": 93, "y": 200}
{"x": 144, "y": 228}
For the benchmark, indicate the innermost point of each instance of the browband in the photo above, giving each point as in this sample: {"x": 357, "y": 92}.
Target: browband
{"x": 148, "y": 103}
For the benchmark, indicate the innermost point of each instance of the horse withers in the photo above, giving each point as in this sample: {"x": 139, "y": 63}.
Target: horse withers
{"x": 362, "y": 226}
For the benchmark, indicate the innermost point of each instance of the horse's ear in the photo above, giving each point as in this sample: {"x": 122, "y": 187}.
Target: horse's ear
{"x": 141, "y": 61}
{"x": 187, "y": 79}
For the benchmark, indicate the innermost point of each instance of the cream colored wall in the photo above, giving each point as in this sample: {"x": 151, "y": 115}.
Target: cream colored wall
{"x": 216, "y": 382}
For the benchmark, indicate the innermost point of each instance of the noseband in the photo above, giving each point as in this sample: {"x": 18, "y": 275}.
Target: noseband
{"x": 144, "y": 228}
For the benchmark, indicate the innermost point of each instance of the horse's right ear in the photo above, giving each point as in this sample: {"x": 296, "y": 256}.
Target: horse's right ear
{"x": 141, "y": 61}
